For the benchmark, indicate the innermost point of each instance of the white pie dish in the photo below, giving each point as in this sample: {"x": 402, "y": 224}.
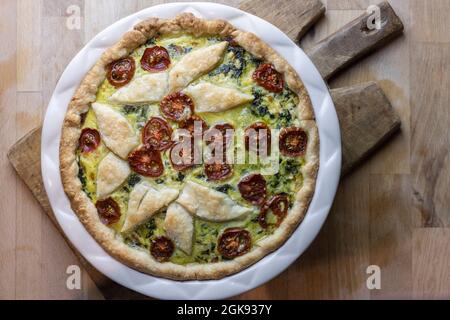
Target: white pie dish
{"x": 271, "y": 265}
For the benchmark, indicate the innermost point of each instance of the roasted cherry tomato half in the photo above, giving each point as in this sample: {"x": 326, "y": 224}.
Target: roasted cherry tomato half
{"x": 162, "y": 249}
{"x": 220, "y": 134}
{"x": 218, "y": 171}
{"x": 191, "y": 123}
{"x": 183, "y": 161}
{"x": 89, "y": 140}
{"x": 269, "y": 78}
{"x": 234, "y": 242}
{"x": 278, "y": 205}
{"x": 253, "y": 188}
{"x": 146, "y": 161}
{"x": 155, "y": 59}
{"x": 158, "y": 134}
{"x": 255, "y": 141}
{"x": 177, "y": 106}
{"x": 293, "y": 142}
{"x": 108, "y": 210}
{"x": 120, "y": 72}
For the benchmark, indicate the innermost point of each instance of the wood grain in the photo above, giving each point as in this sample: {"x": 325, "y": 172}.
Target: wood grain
{"x": 431, "y": 21}
{"x": 28, "y": 43}
{"x": 58, "y": 47}
{"x": 340, "y": 5}
{"x": 28, "y": 215}
{"x": 345, "y": 101}
{"x": 8, "y": 206}
{"x": 430, "y": 101}
{"x": 390, "y": 232}
{"x": 295, "y": 18}
{"x": 354, "y": 41}
{"x": 112, "y": 10}
{"x": 360, "y": 230}
{"x": 431, "y": 258}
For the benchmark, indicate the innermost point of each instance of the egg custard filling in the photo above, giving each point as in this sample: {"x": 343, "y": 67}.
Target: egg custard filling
{"x": 196, "y": 152}
{"x": 276, "y": 110}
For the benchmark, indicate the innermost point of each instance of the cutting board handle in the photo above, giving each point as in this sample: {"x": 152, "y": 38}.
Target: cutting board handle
{"x": 355, "y": 40}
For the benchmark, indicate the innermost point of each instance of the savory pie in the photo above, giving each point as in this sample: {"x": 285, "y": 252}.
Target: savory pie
{"x": 143, "y": 195}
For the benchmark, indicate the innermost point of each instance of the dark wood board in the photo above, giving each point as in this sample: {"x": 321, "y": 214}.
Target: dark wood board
{"x": 354, "y": 41}
{"x": 293, "y": 17}
{"x": 367, "y": 120}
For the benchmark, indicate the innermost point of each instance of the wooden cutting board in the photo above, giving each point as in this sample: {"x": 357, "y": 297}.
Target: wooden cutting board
{"x": 365, "y": 114}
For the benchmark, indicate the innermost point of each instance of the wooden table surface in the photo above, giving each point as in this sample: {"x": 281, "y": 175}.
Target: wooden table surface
{"x": 393, "y": 211}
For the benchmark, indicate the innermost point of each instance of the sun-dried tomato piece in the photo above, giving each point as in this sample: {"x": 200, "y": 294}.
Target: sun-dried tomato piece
{"x": 278, "y": 206}
{"x": 234, "y": 242}
{"x": 146, "y": 161}
{"x": 89, "y": 140}
{"x": 191, "y": 123}
{"x": 218, "y": 171}
{"x": 220, "y": 135}
{"x": 183, "y": 161}
{"x": 269, "y": 78}
{"x": 158, "y": 134}
{"x": 162, "y": 248}
{"x": 255, "y": 140}
{"x": 177, "y": 106}
{"x": 293, "y": 142}
{"x": 155, "y": 59}
{"x": 120, "y": 72}
{"x": 253, "y": 188}
{"x": 108, "y": 210}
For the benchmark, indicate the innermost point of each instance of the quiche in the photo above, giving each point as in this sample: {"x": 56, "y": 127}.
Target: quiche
{"x": 190, "y": 149}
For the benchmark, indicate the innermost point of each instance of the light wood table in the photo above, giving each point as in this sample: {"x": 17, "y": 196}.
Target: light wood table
{"x": 394, "y": 211}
